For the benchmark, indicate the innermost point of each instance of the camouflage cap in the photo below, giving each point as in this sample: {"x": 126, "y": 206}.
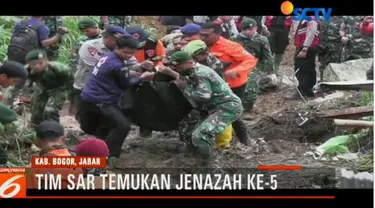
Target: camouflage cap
{"x": 248, "y": 23}
{"x": 35, "y": 55}
{"x": 194, "y": 46}
{"x": 87, "y": 23}
{"x": 180, "y": 57}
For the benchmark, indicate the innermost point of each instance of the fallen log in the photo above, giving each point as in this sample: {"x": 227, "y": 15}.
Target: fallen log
{"x": 353, "y": 123}
{"x": 365, "y": 85}
{"x": 355, "y": 112}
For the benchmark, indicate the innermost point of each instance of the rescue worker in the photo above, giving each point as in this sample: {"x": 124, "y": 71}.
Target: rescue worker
{"x": 238, "y": 63}
{"x": 98, "y": 148}
{"x": 151, "y": 51}
{"x": 176, "y": 46}
{"x": 367, "y": 25}
{"x": 367, "y": 28}
{"x": 100, "y": 113}
{"x": 356, "y": 44}
{"x": 228, "y": 26}
{"x": 209, "y": 91}
{"x": 263, "y": 77}
{"x": 330, "y": 43}
{"x": 89, "y": 54}
{"x": 50, "y": 139}
{"x": 121, "y": 21}
{"x": 167, "y": 39}
{"x": 52, "y": 80}
{"x": 91, "y": 31}
{"x": 279, "y": 27}
{"x": 191, "y": 32}
{"x": 261, "y": 22}
{"x": 11, "y": 74}
{"x": 92, "y": 147}
{"x": 53, "y": 23}
{"x": 45, "y": 40}
{"x": 306, "y": 42}
{"x": 198, "y": 50}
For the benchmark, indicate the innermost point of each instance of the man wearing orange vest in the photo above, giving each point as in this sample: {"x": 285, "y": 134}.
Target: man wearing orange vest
{"x": 238, "y": 63}
{"x": 50, "y": 139}
{"x": 150, "y": 50}
{"x": 306, "y": 41}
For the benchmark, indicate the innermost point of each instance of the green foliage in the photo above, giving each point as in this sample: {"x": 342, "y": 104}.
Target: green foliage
{"x": 7, "y": 24}
{"x": 69, "y": 40}
{"x": 368, "y": 98}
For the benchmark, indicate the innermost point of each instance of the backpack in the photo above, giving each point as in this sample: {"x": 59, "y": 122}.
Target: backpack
{"x": 23, "y": 40}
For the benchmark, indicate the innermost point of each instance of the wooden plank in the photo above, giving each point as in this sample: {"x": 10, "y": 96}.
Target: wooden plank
{"x": 355, "y": 112}
{"x": 353, "y": 123}
{"x": 365, "y": 85}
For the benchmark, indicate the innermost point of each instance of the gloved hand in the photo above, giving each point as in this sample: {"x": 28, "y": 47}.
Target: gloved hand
{"x": 270, "y": 79}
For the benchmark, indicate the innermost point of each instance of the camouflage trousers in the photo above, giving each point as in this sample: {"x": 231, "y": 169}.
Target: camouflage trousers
{"x": 198, "y": 131}
{"x": 330, "y": 56}
{"x": 45, "y": 105}
{"x": 358, "y": 50}
{"x": 252, "y": 87}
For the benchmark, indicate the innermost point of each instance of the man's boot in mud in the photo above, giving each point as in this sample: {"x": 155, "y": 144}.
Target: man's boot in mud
{"x": 144, "y": 132}
{"x": 248, "y": 106}
{"x": 278, "y": 57}
{"x": 204, "y": 158}
{"x": 240, "y": 129}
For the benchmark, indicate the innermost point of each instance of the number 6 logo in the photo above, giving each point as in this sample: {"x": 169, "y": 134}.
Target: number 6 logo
{"x": 19, "y": 187}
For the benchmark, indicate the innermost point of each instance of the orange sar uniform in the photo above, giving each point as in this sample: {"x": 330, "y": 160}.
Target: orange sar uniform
{"x": 32, "y": 181}
{"x": 238, "y": 59}
{"x": 151, "y": 48}
{"x": 146, "y": 53}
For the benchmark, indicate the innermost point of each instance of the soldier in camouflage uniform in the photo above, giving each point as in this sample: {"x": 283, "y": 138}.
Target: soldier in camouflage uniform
{"x": 330, "y": 42}
{"x": 91, "y": 30}
{"x": 199, "y": 51}
{"x": 51, "y": 79}
{"x": 356, "y": 44}
{"x": 209, "y": 92}
{"x": 262, "y": 78}
{"x": 53, "y": 23}
{"x": 122, "y": 21}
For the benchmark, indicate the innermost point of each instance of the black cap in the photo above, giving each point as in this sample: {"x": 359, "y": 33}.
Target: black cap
{"x": 49, "y": 130}
{"x": 138, "y": 33}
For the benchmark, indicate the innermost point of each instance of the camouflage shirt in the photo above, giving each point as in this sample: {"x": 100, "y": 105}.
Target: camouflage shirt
{"x": 53, "y": 23}
{"x": 56, "y": 75}
{"x": 360, "y": 45}
{"x": 214, "y": 63}
{"x": 330, "y": 38}
{"x": 74, "y": 57}
{"x": 207, "y": 88}
{"x": 259, "y": 46}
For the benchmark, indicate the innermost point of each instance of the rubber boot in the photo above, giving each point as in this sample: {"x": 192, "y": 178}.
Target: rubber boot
{"x": 248, "y": 106}
{"x": 204, "y": 158}
{"x": 277, "y": 60}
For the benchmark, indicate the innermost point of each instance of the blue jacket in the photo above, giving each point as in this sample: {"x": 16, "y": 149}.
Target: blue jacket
{"x": 108, "y": 80}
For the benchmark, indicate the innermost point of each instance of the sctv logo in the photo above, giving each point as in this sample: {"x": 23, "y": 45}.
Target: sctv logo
{"x": 287, "y": 8}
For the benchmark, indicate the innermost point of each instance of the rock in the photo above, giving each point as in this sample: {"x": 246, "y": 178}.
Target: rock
{"x": 347, "y": 71}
